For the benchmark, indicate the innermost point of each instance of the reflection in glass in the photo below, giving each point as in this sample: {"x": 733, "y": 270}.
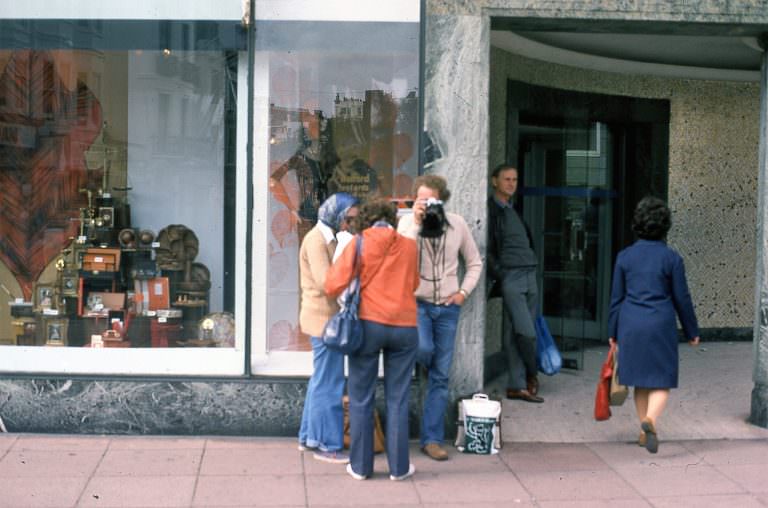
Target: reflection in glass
{"x": 343, "y": 116}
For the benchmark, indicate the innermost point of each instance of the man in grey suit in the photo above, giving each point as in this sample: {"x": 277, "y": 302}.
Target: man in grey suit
{"x": 512, "y": 267}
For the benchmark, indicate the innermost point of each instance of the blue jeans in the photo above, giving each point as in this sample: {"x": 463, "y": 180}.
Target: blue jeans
{"x": 437, "y": 334}
{"x": 399, "y": 344}
{"x": 322, "y": 422}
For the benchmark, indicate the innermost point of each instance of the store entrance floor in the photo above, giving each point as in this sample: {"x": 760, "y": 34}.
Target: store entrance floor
{"x": 712, "y": 402}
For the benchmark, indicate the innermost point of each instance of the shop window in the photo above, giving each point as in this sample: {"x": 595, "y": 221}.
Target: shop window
{"x": 337, "y": 109}
{"x": 117, "y": 177}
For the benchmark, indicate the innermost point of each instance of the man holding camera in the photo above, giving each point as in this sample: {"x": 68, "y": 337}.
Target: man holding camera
{"x": 442, "y": 238}
{"x": 512, "y": 267}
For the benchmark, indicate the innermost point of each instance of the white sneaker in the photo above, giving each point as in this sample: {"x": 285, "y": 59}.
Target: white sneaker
{"x": 355, "y": 475}
{"x": 337, "y": 457}
{"x": 411, "y": 470}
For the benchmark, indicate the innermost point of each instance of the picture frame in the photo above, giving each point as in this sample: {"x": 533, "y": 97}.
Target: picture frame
{"x": 70, "y": 284}
{"x": 55, "y": 331}
{"x": 45, "y": 296}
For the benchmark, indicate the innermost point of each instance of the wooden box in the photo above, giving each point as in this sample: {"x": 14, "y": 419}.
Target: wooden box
{"x": 101, "y": 260}
{"x": 159, "y": 293}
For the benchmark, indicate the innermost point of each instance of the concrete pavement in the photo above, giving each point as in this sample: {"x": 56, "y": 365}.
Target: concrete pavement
{"x": 89, "y": 471}
{"x": 555, "y": 455}
{"x": 712, "y": 401}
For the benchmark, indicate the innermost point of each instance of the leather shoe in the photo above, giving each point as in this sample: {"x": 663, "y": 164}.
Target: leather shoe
{"x": 434, "y": 451}
{"x": 523, "y": 395}
{"x": 533, "y": 385}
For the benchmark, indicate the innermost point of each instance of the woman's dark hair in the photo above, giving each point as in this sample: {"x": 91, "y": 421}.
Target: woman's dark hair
{"x": 377, "y": 210}
{"x": 652, "y": 219}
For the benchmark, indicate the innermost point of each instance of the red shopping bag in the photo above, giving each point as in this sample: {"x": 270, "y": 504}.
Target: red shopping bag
{"x": 603, "y": 393}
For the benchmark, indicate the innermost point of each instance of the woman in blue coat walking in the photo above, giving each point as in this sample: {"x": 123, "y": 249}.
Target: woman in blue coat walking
{"x": 649, "y": 289}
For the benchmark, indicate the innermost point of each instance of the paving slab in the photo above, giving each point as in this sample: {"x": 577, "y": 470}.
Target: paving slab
{"x": 139, "y": 491}
{"x": 250, "y": 461}
{"x": 696, "y": 479}
{"x": 752, "y": 477}
{"x": 715, "y": 501}
{"x": 342, "y": 490}
{"x": 32, "y": 492}
{"x": 262, "y": 490}
{"x": 622, "y": 455}
{"x": 530, "y": 457}
{"x": 596, "y": 503}
{"x": 48, "y": 464}
{"x": 458, "y": 462}
{"x": 60, "y": 442}
{"x": 471, "y": 487}
{"x": 156, "y": 443}
{"x": 576, "y": 485}
{"x": 155, "y": 462}
{"x": 250, "y": 443}
{"x": 734, "y": 452}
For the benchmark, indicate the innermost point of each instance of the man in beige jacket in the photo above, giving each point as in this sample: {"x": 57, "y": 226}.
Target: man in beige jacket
{"x": 442, "y": 238}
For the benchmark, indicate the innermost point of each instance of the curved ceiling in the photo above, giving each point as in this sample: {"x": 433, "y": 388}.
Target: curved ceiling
{"x": 717, "y": 57}
{"x": 717, "y": 52}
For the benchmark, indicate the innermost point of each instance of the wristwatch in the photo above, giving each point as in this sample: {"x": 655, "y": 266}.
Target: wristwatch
{"x": 463, "y": 293}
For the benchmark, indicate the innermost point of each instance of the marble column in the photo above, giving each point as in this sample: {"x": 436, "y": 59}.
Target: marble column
{"x": 759, "y": 411}
{"x": 456, "y": 118}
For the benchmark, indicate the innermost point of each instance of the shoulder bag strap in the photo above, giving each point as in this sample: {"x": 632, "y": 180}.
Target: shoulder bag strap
{"x": 353, "y": 297}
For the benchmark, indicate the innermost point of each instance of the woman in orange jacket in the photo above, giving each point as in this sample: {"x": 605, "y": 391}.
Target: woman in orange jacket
{"x": 388, "y": 278}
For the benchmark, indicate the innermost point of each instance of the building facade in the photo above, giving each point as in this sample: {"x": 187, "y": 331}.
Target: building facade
{"x": 161, "y": 165}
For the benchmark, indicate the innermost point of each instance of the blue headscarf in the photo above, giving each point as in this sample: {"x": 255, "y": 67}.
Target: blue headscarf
{"x": 334, "y": 209}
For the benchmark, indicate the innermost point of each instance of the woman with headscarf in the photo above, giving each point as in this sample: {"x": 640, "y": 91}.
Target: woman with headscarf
{"x": 322, "y": 422}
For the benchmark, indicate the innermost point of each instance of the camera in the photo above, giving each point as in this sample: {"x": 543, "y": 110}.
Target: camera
{"x": 433, "y": 223}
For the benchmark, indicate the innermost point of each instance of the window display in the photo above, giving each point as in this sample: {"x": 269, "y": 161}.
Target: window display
{"x": 115, "y": 169}
{"x": 342, "y": 105}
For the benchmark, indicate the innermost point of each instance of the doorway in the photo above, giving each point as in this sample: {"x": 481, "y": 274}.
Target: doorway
{"x": 585, "y": 160}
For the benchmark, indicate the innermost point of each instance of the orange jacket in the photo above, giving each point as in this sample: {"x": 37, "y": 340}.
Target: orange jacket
{"x": 388, "y": 277}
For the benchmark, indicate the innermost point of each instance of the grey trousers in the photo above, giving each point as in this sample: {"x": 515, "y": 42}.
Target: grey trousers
{"x": 519, "y": 332}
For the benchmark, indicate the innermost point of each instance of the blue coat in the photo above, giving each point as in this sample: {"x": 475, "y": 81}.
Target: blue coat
{"x": 649, "y": 288}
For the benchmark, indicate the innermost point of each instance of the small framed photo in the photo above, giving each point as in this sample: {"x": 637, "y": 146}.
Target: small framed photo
{"x": 56, "y": 331}
{"x": 69, "y": 283}
{"x": 45, "y": 296}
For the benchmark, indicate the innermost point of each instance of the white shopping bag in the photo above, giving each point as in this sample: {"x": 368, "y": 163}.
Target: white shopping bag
{"x": 479, "y": 425}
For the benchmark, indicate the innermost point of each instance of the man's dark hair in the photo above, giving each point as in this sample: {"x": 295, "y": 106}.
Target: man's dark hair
{"x": 501, "y": 167}
{"x": 652, "y": 219}
{"x": 377, "y": 210}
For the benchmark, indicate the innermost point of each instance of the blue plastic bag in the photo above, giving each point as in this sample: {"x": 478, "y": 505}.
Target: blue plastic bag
{"x": 548, "y": 358}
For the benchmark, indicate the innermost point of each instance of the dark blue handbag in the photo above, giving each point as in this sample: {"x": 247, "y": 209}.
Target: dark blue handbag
{"x": 548, "y": 358}
{"x": 344, "y": 331}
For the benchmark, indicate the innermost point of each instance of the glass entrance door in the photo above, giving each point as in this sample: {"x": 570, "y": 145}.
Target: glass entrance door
{"x": 567, "y": 202}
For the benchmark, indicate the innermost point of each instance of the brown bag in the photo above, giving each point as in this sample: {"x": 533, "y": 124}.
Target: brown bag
{"x": 618, "y": 392}
{"x": 378, "y": 431}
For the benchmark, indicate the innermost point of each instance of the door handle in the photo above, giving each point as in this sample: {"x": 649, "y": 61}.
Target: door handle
{"x": 572, "y": 240}
{"x": 578, "y": 240}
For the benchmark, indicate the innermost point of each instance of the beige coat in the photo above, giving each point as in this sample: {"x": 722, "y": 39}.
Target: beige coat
{"x": 440, "y": 280}
{"x": 315, "y": 258}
